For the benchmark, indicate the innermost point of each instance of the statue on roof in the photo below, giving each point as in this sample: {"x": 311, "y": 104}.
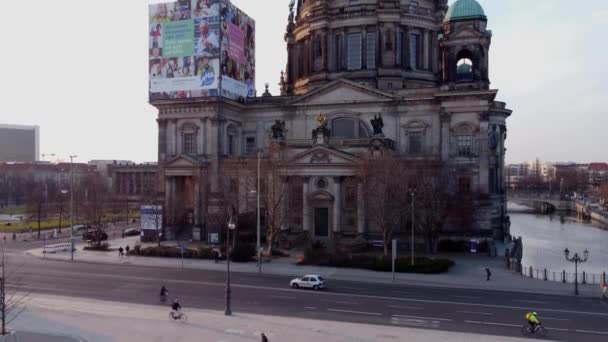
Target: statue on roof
{"x": 278, "y": 130}
{"x": 377, "y": 124}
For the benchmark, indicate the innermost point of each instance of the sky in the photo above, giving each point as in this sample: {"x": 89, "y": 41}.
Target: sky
{"x": 79, "y": 70}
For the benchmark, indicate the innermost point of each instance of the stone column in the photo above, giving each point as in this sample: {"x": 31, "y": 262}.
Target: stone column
{"x": 337, "y": 204}
{"x": 360, "y": 210}
{"x": 425, "y": 48}
{"x": 162, "y": 139}
{"x": 306, "y": 209}
{"x": 445, "y": 136}
{"x": 196, "y": 231}
{"x": 407, "y": 65}
{"x": 484, "y": 157}
{"x": 168, "y": 201}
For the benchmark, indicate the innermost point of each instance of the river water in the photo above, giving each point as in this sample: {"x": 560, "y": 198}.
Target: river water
{"x": 546, "y": 236}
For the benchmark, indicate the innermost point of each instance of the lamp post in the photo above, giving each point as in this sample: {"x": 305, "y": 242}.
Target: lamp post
{"x": 63, "y": 192}
{"x": 231, "y": 226}
{"x": 576, "y": 259}
{"x": 258, "y": 242}
{"x": 72, "y": 206}
{"x": 413, "y": 195}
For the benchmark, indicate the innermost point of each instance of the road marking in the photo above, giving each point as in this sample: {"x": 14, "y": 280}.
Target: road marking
{"x": 344, "y": 302}
{"x": 557, "y": 329}
{"x": 530, "y": 301}
{"x": 283, "y": 297}
{"x": 592, "y": 332}
{"x": 553, "y": 319}
{"x": 350, "y": 288}
{"x": 467, "y": 297}
{"x": 75, "y": 275}
{"x": 310, "y": 308}
{"x": 476, "y": 313}
{"x": 405, "y": 307}
{"x": 357, "y": 312}
{"x": 492, "y": 323}
{"x": 429, "y": 318}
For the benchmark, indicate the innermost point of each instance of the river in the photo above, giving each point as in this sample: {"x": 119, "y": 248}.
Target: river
{"x": 546, "y": 236}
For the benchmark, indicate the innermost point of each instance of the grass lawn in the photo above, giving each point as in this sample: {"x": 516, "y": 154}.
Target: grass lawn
{"x": 13, "y": 210}
{"x": 23, "y": 226}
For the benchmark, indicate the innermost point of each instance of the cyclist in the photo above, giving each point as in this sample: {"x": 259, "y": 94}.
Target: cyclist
{"x": 532, "y": 318}
{"x": 177, "y": 309}
{"x": 163, "y": 293}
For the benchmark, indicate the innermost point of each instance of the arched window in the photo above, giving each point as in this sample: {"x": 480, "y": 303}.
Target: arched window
{"x": 231, "y": 140}
{"x": 464, "y": 66}
{"x": 348, "y": 128}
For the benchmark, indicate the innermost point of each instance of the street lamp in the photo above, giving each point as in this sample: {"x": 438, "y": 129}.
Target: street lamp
{"x": 231, "y": 226}
{"x": 258, "y": 240}
{"x": 413, "y": 195}
{"x": 576, "y": 260}
{"x": 72, "y": 206}
{"x": 63, "y": 192}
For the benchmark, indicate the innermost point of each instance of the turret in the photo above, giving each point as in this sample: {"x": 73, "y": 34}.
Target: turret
{"x": 465, "y": 46}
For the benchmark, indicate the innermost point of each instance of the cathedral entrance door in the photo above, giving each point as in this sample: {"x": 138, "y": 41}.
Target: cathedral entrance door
{"x": 322, "y": 222}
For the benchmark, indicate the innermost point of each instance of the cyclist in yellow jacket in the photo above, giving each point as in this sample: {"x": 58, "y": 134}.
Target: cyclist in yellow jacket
{"x": 532, "y": 319}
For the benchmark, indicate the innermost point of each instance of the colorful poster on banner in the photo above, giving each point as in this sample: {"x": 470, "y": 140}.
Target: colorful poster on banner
{"x": 198, "y": 46}
{"x": 238, "y": 53}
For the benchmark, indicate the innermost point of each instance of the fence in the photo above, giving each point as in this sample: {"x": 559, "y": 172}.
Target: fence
{"x": 563, "y": 276}
{"x": 58, "y": 247}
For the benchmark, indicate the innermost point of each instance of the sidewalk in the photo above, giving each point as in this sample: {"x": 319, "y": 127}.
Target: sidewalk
{"x": 102, "y": 321}
{"x": 468, "y": 273}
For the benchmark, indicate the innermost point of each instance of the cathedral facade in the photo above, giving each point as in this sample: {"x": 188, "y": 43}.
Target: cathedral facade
{"x": 404, "y": 75}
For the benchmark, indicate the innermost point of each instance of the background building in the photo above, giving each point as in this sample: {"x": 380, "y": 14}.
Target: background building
{"x": 19, "y": 143}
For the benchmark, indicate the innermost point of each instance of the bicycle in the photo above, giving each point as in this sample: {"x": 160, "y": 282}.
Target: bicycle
{"x": 180, "y": 317}
{"x": 539, "y": 330}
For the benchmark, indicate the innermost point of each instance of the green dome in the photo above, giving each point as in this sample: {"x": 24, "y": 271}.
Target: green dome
{"x": 464, "y": 68}
{"x": 463, "y": 10}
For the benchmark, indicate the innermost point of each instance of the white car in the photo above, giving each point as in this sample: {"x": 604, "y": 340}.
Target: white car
{"x": 312, "y": 281}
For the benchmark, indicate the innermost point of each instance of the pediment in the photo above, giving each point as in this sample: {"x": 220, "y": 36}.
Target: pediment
{"x": 322, "y": 155}
{"x": 183, "y": 161}
{"x": 342, "y": 91}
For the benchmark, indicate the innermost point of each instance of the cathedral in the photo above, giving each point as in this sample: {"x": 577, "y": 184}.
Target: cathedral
{"x": 410, "y": 76}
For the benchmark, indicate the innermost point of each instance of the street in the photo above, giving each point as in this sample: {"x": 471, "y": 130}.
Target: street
{"x": 486, "y": 312}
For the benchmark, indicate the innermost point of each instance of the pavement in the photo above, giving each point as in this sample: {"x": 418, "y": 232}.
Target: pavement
{"x": 105, "y": 321}
{"x": 468, "y": 272}
{"x": 437, "y": 310}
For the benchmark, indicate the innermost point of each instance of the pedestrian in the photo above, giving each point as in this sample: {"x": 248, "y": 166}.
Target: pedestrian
{"x": 120, "y": 251}
{"x": 488, "y": 274}
{"x": 127, "y": 249}
{"x": 216, "y": 256}
{"x": 264, "y": 338}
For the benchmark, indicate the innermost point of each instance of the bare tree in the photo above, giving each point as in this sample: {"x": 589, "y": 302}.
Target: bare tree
{"x": 96, "y": 205}
{"x": 152, "y": 199}
{"x": 385, "y": 193}
{"x": 36, "y": 201}
{"x": 12, "y": 298}
{"x": 432, "y": 203}
{"x": 273, "y": 191}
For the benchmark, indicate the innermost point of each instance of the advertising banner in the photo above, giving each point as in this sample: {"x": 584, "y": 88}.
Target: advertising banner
{"x": 151, "y": 217}
{"x": 197, "y": 47}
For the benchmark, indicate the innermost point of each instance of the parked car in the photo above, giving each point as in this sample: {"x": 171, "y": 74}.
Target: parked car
{"x": 95, "y": 235}
{"x": 312, "y": 281}
{"x": 79, "y": 228}
{"x": 132, "y": 232}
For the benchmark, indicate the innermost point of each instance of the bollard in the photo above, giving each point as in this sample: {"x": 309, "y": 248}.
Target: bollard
{"x": 563, "y": 276}
{"x": 531, "y": 273}
{"x": 584, "y": 278}
{"x": 545, "y": 275}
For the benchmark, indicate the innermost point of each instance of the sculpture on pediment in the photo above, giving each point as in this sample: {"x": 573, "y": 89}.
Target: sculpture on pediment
{"x": 377, "y": 124}
{"x": 320, "y": 157}
{"x": 278, "y": 130}
{"x": 321, "y": 130}
{"x": 493, "y": 139}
